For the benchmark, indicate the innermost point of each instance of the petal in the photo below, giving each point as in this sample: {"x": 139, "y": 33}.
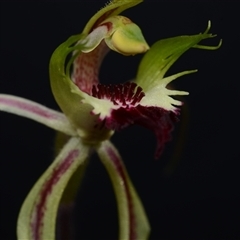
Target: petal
{"x": 163, "y": 54}
{"x": 70, "y": 98}
{"x": 133, "y": 222}
{"x": 86, "y": 66}
{"x": 36, "y": 112}
{"x": 112, "y": 97}
{"x": 159, "y": 95}
{"x": 37, "y": 218}
{"x": 155, "y": 64}
{"x": 120, "y": 105}
{"x": 158, "y": 120}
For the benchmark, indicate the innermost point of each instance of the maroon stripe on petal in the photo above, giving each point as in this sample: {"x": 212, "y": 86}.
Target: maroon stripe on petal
{"x": 86, "y": 68}
{"x": 29, "y": 107}
{"x": 46, "y": 190}
{"x": 120, "y": 169}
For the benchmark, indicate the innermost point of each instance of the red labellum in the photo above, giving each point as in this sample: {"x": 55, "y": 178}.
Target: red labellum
{"x": 125, "y": 95}
{"x": 128, "y": 96}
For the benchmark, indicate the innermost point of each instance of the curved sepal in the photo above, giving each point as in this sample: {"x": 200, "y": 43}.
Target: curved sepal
{"x": 133, "y": 221}
{"x": 64, "y": 91}
{"x": 113, "y": 8}
{"x": 61, "y": 83}
{"x": 37, "y": 218}
{"x": 163, "y": 54}
{"x": 37, "y": 112}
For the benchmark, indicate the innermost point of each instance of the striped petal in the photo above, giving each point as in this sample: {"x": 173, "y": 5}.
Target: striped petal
{"x": 37, "y": 218}
{"x": 36, "y": 112}
{"x": 156, "y": 63}
{"x": 133, "y": 222}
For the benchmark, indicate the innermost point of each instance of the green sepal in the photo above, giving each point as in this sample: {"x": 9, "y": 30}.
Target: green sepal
{"x": 37, "y": 218}
{"x": 164, "y": 53}
{"x": 68, "y": 96}
{"x": 113, "y": 8}
{"x": 133, "y": 222}
{"x": 61, "y": 84}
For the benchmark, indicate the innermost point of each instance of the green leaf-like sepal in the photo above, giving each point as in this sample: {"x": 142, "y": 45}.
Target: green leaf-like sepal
{"x": 62, "y": 85}
{"x": 37, "y": 218}
{"x": 163, "y": 54}
{"x": 133, "y": 222}
{"x": 69, "y": 97}
{"x": 113, "y": 8}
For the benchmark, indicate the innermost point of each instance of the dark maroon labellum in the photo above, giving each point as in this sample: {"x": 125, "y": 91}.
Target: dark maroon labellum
{"x": 128, "y": 96}
{"x": 125, "y": 95}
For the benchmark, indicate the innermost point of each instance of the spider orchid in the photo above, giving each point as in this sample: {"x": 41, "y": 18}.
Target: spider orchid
{"x": 91, "y": 111}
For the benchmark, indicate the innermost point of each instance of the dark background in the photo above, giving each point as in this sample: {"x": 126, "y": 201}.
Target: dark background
{"x": 191, "y": 195}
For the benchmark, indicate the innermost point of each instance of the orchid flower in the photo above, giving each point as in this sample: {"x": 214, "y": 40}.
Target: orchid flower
{"x": 92, "y": 111}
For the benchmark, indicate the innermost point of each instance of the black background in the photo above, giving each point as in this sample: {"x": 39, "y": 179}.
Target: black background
{"x": 193, "y": 196}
